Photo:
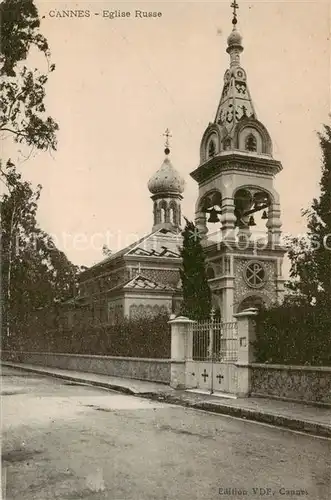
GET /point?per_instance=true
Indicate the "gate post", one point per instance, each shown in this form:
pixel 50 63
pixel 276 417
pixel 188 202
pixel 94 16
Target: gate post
pixel 246 335
pixel 181 350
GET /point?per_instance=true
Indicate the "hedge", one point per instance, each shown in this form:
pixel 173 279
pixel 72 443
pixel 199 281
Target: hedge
pixel 142 337
pixel 293 334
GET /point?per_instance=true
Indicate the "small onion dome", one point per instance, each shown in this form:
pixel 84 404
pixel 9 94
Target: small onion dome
pixel 234 38
pixel 166 179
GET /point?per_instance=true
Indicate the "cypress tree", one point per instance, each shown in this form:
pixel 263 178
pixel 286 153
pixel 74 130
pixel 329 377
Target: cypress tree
pixel 196 292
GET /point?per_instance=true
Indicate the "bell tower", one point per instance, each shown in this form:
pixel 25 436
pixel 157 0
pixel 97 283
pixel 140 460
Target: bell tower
pixel 236 185
pixel 166 186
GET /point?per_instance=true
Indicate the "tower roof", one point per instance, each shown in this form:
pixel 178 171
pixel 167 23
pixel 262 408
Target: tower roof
pixel 236 102
pixel 166 179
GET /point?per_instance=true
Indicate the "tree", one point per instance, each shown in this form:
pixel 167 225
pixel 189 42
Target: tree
pixel 196 292
pixel 35 274
pixel 311 256
pixel 22 90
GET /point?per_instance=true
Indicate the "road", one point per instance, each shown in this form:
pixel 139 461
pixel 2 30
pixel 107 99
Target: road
pixel 68 441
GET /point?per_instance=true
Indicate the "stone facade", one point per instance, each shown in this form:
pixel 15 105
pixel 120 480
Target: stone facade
pixel 137 306
pixel 311 384
pixel 243 290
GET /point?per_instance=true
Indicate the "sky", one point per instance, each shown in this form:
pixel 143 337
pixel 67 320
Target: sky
pixel 119 83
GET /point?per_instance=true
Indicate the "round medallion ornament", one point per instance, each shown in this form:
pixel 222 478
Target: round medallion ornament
pixel 255 274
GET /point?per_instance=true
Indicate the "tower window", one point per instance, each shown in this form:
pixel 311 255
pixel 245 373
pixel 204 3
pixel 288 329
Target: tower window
pixel 172 215
pixel 227 144
pixel 210 273
pixel 251 144
pixel 211 149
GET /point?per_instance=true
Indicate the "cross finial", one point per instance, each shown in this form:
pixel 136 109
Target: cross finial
pixel 167 135
pixel 235 7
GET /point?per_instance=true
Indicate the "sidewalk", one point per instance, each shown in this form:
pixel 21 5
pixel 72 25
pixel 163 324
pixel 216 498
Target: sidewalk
pixel 295 416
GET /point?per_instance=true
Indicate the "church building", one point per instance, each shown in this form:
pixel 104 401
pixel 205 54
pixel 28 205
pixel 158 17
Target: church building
pixel 235 179
pixel 143 278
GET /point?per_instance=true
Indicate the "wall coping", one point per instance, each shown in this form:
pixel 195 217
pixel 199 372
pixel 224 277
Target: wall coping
pixel 299 368
pixel 96 356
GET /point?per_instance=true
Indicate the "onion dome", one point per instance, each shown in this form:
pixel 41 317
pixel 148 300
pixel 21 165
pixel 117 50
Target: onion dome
pixel 234 38
pixel 166 179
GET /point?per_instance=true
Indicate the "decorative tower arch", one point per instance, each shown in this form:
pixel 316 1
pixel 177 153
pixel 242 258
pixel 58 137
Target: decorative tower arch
pixel 236 161
pixel 166 186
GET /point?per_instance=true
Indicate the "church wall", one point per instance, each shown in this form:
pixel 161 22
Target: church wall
pixel 115 309
pixel 138 305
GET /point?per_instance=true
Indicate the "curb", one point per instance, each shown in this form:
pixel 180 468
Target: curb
pixel 250 415
pixel 310 428
pixel 105 385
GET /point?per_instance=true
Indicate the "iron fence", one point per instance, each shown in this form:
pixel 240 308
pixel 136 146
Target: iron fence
pixel 215 340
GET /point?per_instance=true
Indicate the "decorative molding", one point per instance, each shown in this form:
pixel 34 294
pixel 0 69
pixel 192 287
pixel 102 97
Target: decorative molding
pixel 234 162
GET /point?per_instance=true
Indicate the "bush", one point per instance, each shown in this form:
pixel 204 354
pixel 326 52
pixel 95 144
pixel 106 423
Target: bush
pixel 293 334
pixel 143 337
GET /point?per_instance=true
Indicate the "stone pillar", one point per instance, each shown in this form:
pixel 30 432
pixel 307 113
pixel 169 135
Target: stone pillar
pixel 280 288
pixel 167 214
pixel 227 300
pixel 274 225
pixel 244 232
pixel 246 335
pixel 201 224
pixel 181 350
pixel 228 219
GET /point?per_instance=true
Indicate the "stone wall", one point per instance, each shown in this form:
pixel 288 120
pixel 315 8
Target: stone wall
pixel 153 370
pixel 311 384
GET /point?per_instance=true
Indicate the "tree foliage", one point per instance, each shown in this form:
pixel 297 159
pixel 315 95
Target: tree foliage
pixel 19 22
pixel 34 273
pixel 22 90
pixel 310 256
pixel 298 331
pixel 196 292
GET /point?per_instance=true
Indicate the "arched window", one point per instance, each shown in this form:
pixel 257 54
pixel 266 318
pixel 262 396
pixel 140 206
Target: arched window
pixel 211 149
pixel 250 143
pixel 173 213
pixel 227 144
pixel 210 273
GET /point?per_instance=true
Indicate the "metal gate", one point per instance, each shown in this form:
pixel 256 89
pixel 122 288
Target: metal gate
pixel 215 351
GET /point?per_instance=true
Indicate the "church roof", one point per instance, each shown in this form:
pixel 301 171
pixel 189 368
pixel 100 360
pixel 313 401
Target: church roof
pixel 141 282
pixel 162 243
pixel 236 102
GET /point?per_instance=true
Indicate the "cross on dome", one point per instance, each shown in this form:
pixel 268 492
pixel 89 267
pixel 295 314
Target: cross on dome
pixel 167 144
pixel 235 7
